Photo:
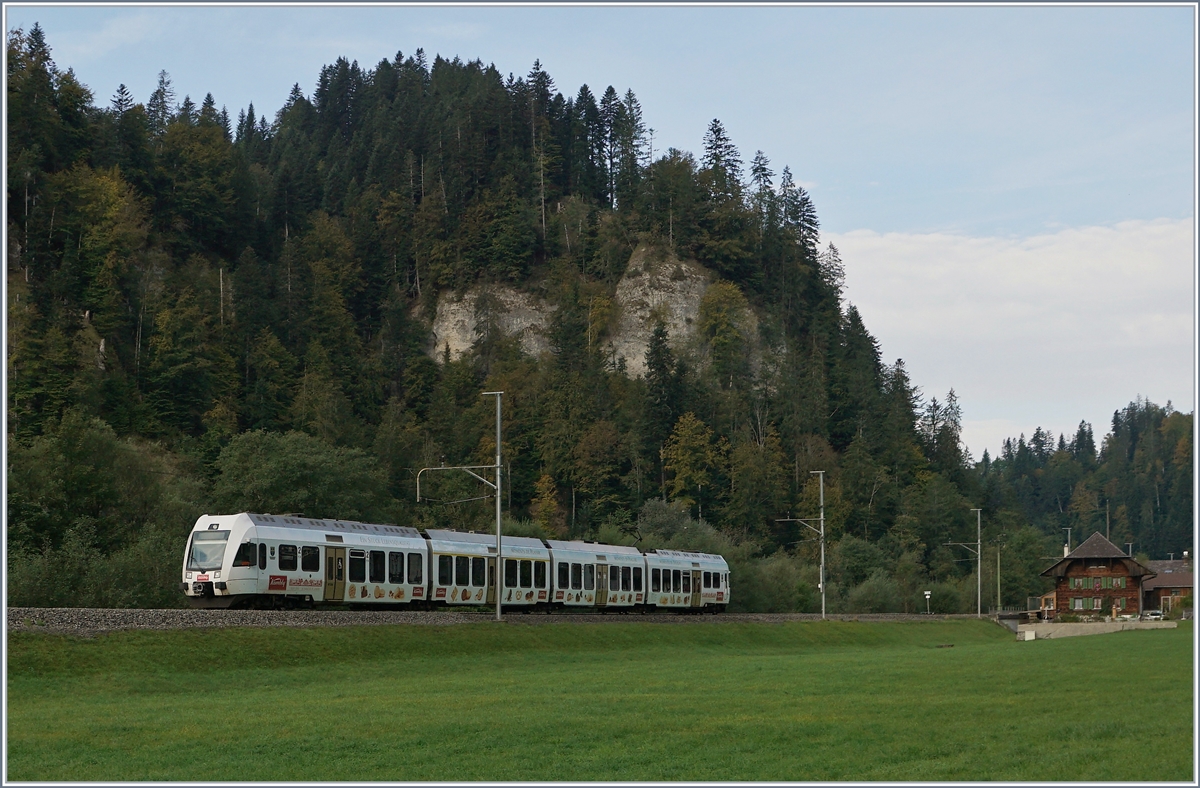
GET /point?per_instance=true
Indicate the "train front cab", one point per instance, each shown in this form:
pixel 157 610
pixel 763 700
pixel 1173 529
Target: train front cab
pixel 220 561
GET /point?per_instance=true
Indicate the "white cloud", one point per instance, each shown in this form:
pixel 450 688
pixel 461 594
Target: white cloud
pixel 1038 331
pixel 83 46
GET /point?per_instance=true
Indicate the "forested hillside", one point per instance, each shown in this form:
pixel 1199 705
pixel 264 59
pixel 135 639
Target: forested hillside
pixel 209 313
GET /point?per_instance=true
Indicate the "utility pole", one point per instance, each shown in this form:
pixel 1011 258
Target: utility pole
pixel 821 479
pixel 820 533
pixel 499 554
pixel 977 549
pixel 494 485
pixel 998 579
pixel 978 562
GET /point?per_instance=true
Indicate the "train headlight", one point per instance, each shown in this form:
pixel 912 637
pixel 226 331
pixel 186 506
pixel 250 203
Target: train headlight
pixel 187 576
pixel 216 574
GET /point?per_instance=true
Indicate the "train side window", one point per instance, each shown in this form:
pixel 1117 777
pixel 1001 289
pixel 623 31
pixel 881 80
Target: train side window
pixel 655 580
pixel 539 574
pixel 477 572
pixel 687 582
pixel 527 574
pixel 358 565
pixel 637 578
pixel 415 567
pixel 462 570
pixel 589 577
pixel 675 582
pixel 287 558
pixel 246 554
pixel 626 578
pixel 262 556
pixel 614 578
pixel 445 570
pixel 564 574
pixel 510 573
pixel 310 559
pixel 576 576
pixel 396 568
pixel 377 566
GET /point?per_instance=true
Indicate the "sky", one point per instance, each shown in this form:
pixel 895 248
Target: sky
pixel 1011 189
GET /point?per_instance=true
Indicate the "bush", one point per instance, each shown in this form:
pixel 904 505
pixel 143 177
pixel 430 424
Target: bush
pixel 879 593
pixel 96 520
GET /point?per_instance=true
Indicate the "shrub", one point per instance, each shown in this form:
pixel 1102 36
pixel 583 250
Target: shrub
pixel 877 594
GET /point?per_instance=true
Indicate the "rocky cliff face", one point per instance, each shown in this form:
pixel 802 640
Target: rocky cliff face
pixel 656 286
pixel 518 314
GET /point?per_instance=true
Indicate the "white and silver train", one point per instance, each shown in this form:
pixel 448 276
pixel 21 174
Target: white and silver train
pixel 267 560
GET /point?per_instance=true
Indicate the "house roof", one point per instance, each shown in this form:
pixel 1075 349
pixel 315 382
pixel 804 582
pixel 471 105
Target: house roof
pixel 1169 567
pixel 1170 580
pixel 1096 546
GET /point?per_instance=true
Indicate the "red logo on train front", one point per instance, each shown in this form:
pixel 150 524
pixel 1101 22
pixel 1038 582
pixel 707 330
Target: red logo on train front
pixel 418 591
pixel 277 583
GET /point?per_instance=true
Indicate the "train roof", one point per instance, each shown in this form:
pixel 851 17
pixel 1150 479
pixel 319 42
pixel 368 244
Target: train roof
pixel 520 545
pixel 336 526
pixel 685 557
pixel 597 551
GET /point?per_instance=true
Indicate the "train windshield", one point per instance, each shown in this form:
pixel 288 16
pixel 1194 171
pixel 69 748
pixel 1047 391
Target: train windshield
pixel 208 550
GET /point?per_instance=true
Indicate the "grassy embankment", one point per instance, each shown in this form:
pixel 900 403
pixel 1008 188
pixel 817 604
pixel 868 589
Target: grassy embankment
pixel 616 701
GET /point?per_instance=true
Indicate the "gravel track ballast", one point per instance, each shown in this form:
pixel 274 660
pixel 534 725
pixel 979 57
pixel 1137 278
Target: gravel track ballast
pixel 87 622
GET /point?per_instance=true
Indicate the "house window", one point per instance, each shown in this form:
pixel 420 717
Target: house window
pixel 1076 603
pixel 1097 604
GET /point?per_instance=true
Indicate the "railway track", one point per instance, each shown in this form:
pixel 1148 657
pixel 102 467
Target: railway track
pixel 88 622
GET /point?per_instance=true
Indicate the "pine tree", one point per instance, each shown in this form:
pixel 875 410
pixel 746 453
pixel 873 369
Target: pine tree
pixel 122 101
pixel 161 106
pixel 722 162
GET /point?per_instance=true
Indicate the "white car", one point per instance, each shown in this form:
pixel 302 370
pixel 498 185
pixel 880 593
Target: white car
pixel 1153 615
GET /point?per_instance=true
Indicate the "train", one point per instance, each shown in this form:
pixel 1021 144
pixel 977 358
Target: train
pixel 250 560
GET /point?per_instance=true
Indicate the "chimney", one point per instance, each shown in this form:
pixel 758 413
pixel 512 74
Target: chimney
pixel 1066 550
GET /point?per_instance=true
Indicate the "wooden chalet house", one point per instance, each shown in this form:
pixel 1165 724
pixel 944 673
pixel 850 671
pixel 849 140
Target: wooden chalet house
pixel 1173 583
pixel 1097 578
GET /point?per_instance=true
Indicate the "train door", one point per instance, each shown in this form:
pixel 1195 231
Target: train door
pixel 696 588
pixel 335 574
pixel 491 581
pixel 602 584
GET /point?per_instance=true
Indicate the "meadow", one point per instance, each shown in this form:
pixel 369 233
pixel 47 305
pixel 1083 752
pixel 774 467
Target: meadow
pixel 936 700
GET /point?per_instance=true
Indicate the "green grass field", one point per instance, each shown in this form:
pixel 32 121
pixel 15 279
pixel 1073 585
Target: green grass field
pixel 613 701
